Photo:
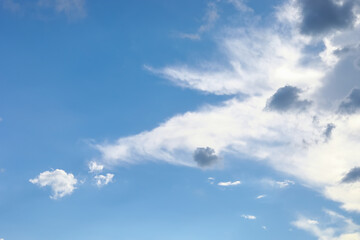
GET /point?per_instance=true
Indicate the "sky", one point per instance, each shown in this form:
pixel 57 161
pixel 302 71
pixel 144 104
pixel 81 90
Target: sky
pixel 164 119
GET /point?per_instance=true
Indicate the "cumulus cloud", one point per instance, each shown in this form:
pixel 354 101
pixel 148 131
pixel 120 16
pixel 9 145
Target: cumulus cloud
pixel 249 217
pixel 351 104
pixel 205 157
pixel 352 176
pixel 227 184
pixel 335 227
pixel 287 98
pixel 60 182
pixel 102 180
pixel 321 16
pixel 95 167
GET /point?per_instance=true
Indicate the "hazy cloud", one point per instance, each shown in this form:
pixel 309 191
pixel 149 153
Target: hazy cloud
pixel 352 176
pixel 205 157
pixel 287 98
pixel 328 131
pixel 351 103
pixel 320 16
pixel 61 183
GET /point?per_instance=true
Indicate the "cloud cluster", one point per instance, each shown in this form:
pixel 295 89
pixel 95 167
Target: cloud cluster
pixel 273 68
pixel 321 16
pixel 102 180
pixel 60 182
pixel 335 227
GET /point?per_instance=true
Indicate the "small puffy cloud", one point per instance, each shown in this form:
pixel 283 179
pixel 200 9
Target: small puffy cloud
pixel 226 184
pixel 261 196
pixel 95 167
pixel 205 157
pixel 61 183
pixel 249 217
pixel 102 180
pixel 352 176
pixel 287 98
pixel 351 104
pixel 321 16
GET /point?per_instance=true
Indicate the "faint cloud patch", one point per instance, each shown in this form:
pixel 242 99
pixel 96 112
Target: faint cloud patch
pixel 72 8
pixel 248 217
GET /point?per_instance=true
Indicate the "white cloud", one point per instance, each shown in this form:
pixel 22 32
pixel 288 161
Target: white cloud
pixel 336 227
pixel 226 184
pixel 61 183
pixel 249 217
pixel 95 167
pixel 102 180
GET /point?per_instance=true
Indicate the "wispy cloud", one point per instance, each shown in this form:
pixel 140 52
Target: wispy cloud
pixel 334 227
pixel 211 16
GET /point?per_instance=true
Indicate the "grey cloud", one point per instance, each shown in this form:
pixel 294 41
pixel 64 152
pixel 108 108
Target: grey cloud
pixel 287 98
pixel 205 157
pixel 352 176
pixel 321 16
pixel 328 131
pixel 351 103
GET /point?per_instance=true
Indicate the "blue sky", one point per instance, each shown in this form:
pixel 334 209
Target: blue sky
pixel 224 119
